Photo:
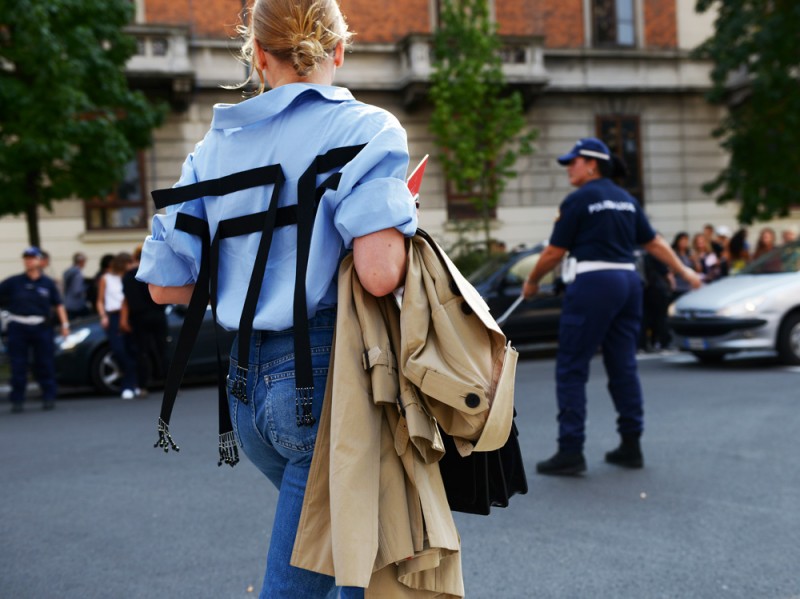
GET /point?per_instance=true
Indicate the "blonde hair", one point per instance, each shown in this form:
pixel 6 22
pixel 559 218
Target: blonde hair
pixel 300 32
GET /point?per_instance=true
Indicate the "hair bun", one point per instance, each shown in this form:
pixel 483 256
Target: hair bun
pixel 306 53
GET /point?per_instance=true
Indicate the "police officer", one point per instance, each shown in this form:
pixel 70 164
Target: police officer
pixel 30 297
pixel 600 225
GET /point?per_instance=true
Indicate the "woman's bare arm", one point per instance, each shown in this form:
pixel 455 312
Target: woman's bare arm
pixel 171 295
pixel 380 261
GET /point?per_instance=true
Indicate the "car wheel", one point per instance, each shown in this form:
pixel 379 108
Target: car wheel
pixel 106 374
pixel 789 339
pixel 709 357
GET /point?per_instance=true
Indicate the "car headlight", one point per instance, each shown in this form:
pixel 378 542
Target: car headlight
pixel 73 339
pixel 745 308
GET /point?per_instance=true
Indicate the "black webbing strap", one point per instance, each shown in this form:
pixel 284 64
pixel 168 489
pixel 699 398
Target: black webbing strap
pixel 263 175
pixel 206 287
pixel 189 331
pixel 206 291
pixel 233 228
pixel 306 211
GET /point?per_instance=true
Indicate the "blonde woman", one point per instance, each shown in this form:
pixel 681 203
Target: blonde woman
pixel 305 148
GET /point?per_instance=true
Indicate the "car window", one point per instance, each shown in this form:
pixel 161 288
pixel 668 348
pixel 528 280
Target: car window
pixel 516 274
pixel 785 258
pixel 487 269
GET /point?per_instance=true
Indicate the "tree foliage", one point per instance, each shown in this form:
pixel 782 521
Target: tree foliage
pixel 68 120
pixel 756 54
pixel 477 122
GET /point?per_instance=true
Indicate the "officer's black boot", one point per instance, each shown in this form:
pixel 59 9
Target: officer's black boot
pixel 563 464
pixel 628 454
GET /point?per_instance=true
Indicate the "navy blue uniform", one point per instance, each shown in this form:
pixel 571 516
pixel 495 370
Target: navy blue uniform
pixel 601 225
pixel 30 302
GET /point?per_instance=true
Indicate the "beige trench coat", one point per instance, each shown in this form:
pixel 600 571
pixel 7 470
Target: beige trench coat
pixel 375 512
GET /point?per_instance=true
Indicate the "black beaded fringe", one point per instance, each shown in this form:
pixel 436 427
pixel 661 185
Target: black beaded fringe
pixel 165 441
pixel 303 401
pixel 228 451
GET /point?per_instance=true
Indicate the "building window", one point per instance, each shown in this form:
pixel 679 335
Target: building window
pixel 621 134
pixel 123 209
pixel 614 23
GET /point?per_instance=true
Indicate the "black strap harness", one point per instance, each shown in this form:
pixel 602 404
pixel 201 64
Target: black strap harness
pixel 302 214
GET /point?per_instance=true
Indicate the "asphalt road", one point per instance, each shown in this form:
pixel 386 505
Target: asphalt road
pixel 88 509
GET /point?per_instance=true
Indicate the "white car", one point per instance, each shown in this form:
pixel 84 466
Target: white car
pixel 757 309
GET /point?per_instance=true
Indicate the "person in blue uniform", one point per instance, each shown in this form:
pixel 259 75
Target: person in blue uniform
pixel 350 159
pixel 600 225
pixel 30 298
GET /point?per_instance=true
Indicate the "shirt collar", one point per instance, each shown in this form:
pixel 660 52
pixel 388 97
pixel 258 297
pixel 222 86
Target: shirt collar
pixel 273 102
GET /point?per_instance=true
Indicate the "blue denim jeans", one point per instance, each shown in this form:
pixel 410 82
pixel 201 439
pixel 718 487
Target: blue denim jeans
pixel 120 344
pixel 266 429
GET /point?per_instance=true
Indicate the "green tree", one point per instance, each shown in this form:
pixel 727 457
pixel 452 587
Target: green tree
pixel 477 122
pixel 68 121
pixel 756 54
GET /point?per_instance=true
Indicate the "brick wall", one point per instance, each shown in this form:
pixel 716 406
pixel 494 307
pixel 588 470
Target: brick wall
pixel 660 24
pixel 515 17
pixel 380 22
pixel 561 22
pixel 206 18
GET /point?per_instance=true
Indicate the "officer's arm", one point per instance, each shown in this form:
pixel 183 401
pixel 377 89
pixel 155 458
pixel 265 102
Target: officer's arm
pixel 551 256
pixel 380 261
pixel 660 249
pixel 62 318
pixel 171 295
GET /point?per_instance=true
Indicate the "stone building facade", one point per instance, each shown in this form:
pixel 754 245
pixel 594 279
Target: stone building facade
pixel 615 68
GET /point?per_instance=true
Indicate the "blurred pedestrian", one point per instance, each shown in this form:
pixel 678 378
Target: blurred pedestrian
pixel 720 246
pixel 109 307
pixel 146 322
pixel 30 298
pixel 94 282
pixel 601 225
pixel 789 235
pixel 684 252
pixel 75 288
pixel 659 287
pixel 765 243
pixel 710 234
pixel 738 253
pixel 708 260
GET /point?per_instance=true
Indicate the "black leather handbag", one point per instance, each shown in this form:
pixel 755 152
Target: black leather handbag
pixel 484 479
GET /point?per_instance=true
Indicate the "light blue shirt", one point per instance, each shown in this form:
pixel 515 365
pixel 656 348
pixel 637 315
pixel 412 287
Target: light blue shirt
pixel 290 125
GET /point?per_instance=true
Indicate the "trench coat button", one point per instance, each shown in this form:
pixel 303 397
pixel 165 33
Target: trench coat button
pixel 466 308
pixel 472 400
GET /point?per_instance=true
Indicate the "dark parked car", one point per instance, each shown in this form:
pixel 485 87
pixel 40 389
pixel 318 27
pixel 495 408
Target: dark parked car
pixel 83 358
pixel 534 324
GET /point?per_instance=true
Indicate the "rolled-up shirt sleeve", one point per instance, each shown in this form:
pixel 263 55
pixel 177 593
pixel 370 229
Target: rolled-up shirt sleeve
pixel 372 194
pixel 170 257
